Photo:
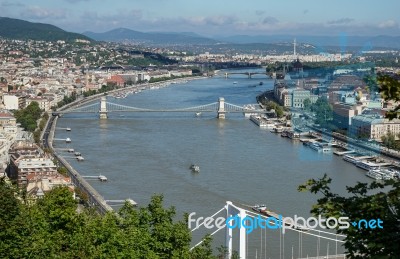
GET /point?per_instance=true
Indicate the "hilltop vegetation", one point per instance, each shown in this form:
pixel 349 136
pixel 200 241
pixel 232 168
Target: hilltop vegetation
pixel 52 227
pixel 23 30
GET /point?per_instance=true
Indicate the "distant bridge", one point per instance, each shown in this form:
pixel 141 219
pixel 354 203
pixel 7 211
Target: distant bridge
pixel 104 107
pixel 248 74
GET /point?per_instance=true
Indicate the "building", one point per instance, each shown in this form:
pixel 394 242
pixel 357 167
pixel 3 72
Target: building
pixel 373 126
pixel 44 103
pixel 27 159
pixel 343 114
pixel 117 80
pixel 299 95
pixel 14 102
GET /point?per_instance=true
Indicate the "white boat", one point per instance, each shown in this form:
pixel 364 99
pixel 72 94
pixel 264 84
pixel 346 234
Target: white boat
pixel 367 165
pixel 68 129
pixel 80 158
pixel 68 140
pixel 198 114
pixel 77 153
pixel 71 150
pixel 195 168
pixel 319 147
pixel 354 159
pixel 102 178
pixel 375 174
pixel 235 83
pixel 390 173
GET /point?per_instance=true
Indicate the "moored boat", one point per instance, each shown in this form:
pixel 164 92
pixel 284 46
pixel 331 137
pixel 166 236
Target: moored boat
pixel 195 168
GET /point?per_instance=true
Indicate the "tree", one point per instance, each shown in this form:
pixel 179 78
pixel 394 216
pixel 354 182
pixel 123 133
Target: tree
pixel 366 201
pixel 307 104
pixel 389 140
pixel 389 88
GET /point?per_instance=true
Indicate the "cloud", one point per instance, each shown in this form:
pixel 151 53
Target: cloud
pixel 260 12
pixel 39 13
pixel 388 24
pixel 341 21
pixel 12 4
pixel 270 20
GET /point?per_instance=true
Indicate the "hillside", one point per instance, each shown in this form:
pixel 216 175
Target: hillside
pixel 23 30
pixel 127 35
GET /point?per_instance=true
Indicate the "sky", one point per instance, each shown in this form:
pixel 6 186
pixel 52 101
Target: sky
pixel 214 17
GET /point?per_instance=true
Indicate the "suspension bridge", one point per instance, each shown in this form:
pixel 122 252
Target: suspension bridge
pixel 243 216
pixel 104 107
pixel 248 74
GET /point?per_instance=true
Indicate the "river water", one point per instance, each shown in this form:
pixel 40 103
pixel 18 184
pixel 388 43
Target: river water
pixel 146 153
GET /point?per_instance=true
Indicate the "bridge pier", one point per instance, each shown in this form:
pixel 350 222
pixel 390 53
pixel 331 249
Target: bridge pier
pixel 103 108
pixel 221 108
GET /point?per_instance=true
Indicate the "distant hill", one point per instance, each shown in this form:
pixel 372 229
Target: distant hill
pixel 23 30
pixel 157 38
pixel 365 42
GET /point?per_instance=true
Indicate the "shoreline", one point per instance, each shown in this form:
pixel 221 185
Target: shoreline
pixel 94 198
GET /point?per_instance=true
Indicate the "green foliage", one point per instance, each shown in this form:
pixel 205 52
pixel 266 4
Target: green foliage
pixel 67 100
pixel 389 88
pixel 323 112
pixel 52 228
pixel 23 30
pixel 270 105
pixel 365 201
pixel 307 104
pixel 389 141
pixel 62 170
pixel 28 116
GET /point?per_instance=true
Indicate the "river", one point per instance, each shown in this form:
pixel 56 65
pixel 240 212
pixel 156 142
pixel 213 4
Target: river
pixel 146 153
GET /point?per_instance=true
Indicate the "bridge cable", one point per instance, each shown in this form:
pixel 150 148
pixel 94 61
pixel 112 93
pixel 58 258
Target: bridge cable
pixel 197 227
pixel 199 243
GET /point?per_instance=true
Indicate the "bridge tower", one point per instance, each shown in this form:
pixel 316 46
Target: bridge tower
pixel 221 108
pixel 232 211
pixel 103 107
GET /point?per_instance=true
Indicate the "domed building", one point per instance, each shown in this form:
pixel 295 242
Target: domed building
pixel 297 66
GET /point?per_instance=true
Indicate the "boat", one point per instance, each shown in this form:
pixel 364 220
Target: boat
pixel 77 153
pixel 318 147
pixel 375 174
pixel 71 150
pixel 235 83
pixel 261 83
pixel 354 159
pixel 102 178
pixel 68 129
pixel 367 165
pixel 80 158
pixel 68 140
pixel 195 168
pixel 262 209
pixel 259 208
pixel 198 114
pixel 391 173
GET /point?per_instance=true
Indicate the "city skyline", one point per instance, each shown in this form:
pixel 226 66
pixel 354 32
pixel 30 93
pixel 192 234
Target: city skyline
pixel 210 18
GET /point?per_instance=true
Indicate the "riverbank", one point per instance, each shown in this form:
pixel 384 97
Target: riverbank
pixel 94 198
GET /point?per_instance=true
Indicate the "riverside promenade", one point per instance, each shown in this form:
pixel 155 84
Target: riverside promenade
pixel 94 198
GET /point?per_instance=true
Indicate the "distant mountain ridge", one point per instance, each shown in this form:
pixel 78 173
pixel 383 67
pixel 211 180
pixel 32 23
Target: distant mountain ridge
pixel 24 30
pixel 123 34
pixel 365 42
